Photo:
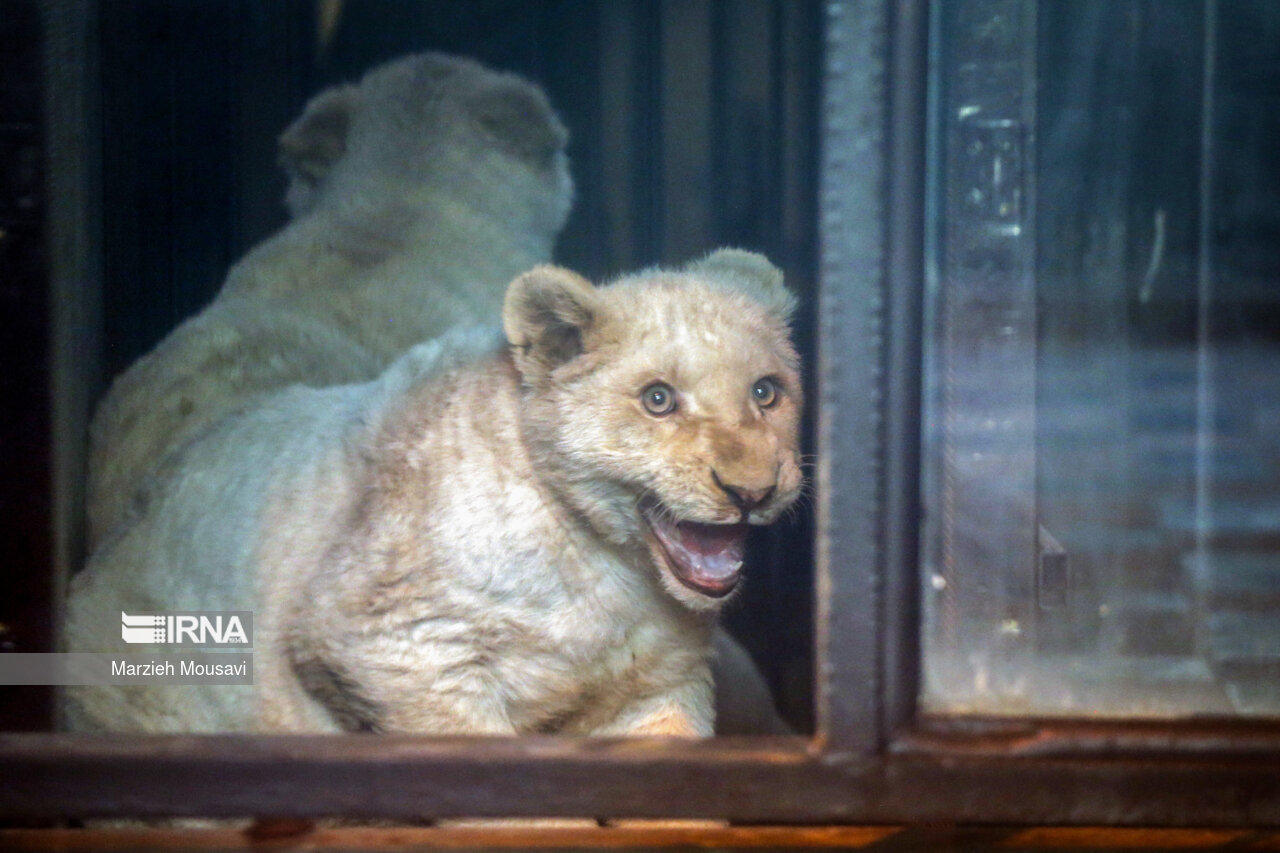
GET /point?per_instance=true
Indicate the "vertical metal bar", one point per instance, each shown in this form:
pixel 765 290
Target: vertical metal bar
pixel 850 368
pixel 75 237
pixel 74 194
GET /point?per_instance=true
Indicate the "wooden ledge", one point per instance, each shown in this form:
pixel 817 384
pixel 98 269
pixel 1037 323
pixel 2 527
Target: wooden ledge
pixel 300 836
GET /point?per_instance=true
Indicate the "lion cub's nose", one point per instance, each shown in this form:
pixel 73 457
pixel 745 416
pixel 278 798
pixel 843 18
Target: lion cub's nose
pixel 744 498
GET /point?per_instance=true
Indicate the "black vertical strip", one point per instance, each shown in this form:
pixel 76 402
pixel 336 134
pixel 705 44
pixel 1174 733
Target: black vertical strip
pixel 617 117
pixel 648 174
pixel 272 56
pixel 908 70
pixel 687 198
pixel 775 128
pixel 1246 184
pixel 797 75
pixel 26 588
pixel 200 115
pixel 570 68
pixel 721 124
pixel 159 195
pixel 121 51
pixel 746 166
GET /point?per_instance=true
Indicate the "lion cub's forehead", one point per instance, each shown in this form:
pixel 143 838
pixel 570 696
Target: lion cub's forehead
pixel 687 305
pixel 686 321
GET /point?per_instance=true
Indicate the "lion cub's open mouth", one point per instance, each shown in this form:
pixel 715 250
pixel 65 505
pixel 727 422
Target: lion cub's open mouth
pixel 707 558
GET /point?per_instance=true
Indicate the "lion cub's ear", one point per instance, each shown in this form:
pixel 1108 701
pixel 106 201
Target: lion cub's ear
pixel 749 273
pixel 546 313
pixel 312 144
pixel 518 117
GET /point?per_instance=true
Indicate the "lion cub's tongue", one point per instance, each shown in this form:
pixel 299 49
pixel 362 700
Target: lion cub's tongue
pixel 705 557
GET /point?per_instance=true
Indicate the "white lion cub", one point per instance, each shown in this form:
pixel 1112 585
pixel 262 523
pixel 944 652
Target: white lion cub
pixel 490 539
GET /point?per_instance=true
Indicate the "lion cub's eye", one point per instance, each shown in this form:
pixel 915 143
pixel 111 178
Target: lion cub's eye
pixel 766 393
pixel 659 399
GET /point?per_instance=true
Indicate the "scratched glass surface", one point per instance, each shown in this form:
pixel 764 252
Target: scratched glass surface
pixel 1102 393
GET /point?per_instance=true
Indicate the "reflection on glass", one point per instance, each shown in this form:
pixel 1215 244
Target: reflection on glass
pixel 1102 389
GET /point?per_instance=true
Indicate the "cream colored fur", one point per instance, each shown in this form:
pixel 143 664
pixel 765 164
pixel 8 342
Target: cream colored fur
pixel 458 546
pixel 417 194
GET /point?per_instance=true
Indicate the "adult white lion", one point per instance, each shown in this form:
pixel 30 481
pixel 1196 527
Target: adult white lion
pixel 417 195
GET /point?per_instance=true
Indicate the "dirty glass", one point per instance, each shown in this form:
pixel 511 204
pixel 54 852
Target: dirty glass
pixel 1101 514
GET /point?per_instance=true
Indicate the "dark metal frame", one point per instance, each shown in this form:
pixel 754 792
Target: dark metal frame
pixel 872 759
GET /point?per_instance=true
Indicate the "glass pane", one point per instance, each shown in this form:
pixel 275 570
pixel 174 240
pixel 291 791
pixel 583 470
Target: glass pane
pixel 1102 389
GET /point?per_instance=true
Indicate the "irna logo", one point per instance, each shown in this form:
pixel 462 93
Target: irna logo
pixel 189 628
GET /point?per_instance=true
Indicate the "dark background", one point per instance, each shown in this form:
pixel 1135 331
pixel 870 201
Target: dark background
pixel 26 532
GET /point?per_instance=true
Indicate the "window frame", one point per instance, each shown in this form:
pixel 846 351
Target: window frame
pixel 872 759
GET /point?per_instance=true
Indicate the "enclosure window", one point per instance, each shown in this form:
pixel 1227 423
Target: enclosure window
pixel 1101 387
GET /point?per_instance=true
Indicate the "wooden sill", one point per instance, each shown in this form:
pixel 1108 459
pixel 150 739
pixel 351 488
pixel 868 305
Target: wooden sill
pixel 300 835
